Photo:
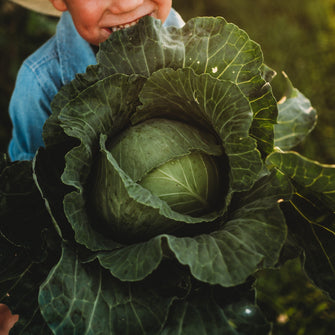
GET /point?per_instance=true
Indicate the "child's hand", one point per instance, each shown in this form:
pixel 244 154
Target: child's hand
pixel 7 319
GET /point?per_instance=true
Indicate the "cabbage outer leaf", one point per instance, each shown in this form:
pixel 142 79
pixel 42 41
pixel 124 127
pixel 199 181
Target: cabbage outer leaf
pixel 312 176
pixel 310 214
pixel 83 299
pixel 91 301
pixel 296 118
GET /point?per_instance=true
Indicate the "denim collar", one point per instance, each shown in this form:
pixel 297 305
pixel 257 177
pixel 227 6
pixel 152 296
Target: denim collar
pixel 75 54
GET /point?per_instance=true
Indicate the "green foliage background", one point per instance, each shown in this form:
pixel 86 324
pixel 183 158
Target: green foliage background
pixel 295 36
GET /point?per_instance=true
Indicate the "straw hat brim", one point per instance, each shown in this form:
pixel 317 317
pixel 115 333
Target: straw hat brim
pixel 40 6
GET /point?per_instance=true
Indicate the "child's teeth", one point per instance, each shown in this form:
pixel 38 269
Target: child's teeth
pixel 123 26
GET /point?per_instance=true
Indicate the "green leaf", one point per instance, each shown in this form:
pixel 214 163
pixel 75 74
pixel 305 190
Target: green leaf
pixel 198 317
pixel 224 51
pixel 296 118
pixel 313 177
pixel 313 228
pixel 252 234
pixel 84 299
pixel 134 262
pixel 310 214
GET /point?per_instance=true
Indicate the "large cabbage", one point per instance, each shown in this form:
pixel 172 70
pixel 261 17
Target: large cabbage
pixel 163 186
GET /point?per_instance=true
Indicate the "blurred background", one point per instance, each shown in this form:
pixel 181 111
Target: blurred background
pixel 296 36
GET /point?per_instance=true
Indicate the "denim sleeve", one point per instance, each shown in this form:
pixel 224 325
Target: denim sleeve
pixel 28 109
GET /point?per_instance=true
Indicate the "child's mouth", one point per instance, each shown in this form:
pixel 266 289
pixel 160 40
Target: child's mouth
pixel 123 26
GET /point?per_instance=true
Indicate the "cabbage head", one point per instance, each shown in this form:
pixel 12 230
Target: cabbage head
pixel 162 182
pixel 161 172
pixel 178 166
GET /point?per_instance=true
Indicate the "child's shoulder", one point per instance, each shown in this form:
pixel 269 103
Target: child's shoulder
pixel 62 56
pixel 41 70
pixel 43 55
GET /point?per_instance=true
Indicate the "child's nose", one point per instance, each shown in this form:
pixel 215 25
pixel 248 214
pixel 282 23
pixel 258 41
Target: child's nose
pixel 124 6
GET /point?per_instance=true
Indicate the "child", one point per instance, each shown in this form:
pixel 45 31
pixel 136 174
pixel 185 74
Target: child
pixel 83 25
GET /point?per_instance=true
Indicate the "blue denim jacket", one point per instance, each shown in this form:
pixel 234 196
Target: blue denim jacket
pixel 41 76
